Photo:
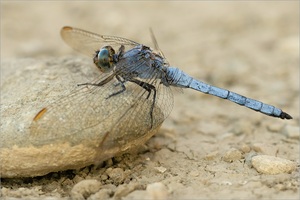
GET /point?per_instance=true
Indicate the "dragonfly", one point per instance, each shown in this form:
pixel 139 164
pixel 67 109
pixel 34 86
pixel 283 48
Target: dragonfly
pixel 133 91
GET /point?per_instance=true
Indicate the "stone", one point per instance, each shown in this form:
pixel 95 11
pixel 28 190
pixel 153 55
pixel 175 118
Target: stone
pixel 116 175
pixel 157 191
pixel 272 165
pixel 39 137
pixel 232 155
pixel 84 189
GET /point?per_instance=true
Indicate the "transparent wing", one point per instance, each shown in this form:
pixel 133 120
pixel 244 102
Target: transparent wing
pixel 87 42
pixel 156 47
pixel 112 123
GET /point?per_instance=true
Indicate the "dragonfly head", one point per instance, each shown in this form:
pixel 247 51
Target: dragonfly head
pixel 104 59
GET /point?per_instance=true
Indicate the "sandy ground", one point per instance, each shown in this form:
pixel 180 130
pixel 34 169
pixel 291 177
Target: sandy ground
pixel 202 150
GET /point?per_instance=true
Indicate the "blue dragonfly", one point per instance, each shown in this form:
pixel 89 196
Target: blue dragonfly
pixel 132 93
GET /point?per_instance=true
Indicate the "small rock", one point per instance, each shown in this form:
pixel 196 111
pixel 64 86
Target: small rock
pixel 102 194
pixel 124 190
pixel 245 148
pixel 116 175
pixel 104 177
pixel 138 194
pixel 161 169
pixel 291 132
pixel 157 191
pixel 84 189
pixel 211 155
pixel 77 179
pixel 109 162
pixel 272 165
pixel 248 158
pixel 232 155
pixel 194 173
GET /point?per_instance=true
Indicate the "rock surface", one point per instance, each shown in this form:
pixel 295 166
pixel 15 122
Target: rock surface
pixel 33 149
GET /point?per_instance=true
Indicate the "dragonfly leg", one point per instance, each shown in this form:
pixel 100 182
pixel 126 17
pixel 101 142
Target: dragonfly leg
pixel 121 82
pixel 121 51
pixel 149 88
pixel 109 78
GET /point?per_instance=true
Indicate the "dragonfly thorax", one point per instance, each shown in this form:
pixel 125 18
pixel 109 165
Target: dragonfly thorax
pixel 104 59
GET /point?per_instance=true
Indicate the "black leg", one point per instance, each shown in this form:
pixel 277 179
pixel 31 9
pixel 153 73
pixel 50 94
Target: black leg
pixel 142 84
pixel 121 82
pixel 147 87
pixel 101 82
pixel 106 81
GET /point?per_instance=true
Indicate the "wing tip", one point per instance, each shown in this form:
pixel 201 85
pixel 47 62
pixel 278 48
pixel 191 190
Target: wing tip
pixel 66 28
pixel 39 114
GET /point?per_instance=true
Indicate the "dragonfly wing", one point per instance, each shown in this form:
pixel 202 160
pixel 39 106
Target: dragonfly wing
pixel 156 47
pixel 88 43
pixel 90 112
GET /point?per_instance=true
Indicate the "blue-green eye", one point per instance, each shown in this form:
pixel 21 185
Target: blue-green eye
pixel 104 58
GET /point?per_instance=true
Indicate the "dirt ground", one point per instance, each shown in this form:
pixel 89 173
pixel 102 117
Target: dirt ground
pixel 251 48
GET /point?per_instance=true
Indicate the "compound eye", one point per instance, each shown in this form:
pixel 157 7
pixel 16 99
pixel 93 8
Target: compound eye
pixel 104 59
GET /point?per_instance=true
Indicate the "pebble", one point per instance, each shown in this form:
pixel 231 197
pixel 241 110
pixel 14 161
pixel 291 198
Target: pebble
pixel 194 173
pixel 102 194
pixel 245 148
pixel 248 158
pixel 116 175
pixel 157 191
pixel 123 190
pixel 84 189
pixel 232 155
pixel 104 177
pixel 211 155
pixel 161 169
pixel 272 165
